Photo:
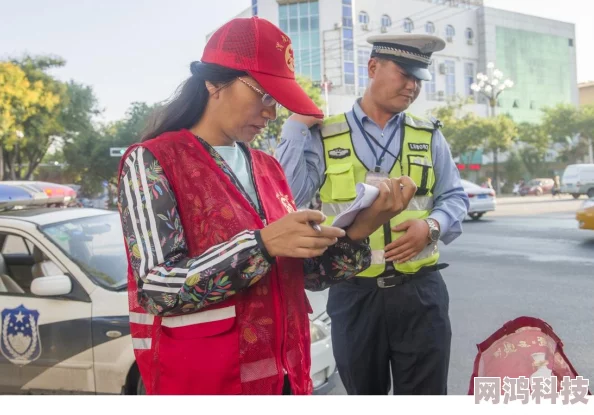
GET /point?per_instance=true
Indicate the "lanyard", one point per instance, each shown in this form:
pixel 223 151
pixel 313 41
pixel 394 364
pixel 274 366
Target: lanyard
pixel 366 135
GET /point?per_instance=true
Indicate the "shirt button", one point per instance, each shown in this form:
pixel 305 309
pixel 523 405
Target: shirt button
pixel 382 134
pixel 304 132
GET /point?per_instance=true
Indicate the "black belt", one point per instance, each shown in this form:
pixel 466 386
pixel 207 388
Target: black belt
pixel 394 278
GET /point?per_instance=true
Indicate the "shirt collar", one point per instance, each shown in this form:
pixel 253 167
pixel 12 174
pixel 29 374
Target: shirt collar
pixel 361 116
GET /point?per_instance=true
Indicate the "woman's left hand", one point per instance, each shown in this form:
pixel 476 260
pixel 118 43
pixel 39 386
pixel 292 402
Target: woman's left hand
pixel 394 197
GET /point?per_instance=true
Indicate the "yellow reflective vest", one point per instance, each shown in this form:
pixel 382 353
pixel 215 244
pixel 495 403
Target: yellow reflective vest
pixel 344 170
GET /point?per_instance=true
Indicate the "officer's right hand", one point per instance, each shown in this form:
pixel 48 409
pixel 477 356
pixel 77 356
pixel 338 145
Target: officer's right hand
pixel 307 120
pixel 292 236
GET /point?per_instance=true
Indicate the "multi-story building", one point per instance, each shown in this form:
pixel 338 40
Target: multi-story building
pixel 586 93
pixel 329 40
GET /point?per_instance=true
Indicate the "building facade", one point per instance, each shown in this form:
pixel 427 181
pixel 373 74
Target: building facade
pixel 329 40
pixel 586 93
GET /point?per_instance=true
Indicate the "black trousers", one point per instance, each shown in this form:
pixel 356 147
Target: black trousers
pixel 405 329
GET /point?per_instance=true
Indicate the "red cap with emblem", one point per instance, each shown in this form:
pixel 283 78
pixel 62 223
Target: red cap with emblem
pixel 258 47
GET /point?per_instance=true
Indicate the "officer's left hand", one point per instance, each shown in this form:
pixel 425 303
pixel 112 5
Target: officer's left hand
pixel 410 244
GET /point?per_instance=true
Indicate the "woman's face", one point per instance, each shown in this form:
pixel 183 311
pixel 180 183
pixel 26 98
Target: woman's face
pixel 241 111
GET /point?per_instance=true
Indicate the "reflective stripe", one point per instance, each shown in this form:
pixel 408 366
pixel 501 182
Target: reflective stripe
pixel 142 344
pixel 334 209
pixel 421 203
pixel 200 317
pixel 378 257
pixel 426 252
pixel 139 318
pixel 333 129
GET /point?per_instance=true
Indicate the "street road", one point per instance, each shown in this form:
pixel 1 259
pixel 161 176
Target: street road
pixel 526 258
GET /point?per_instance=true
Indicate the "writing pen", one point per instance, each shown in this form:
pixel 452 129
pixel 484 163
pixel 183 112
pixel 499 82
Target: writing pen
pixel 315 226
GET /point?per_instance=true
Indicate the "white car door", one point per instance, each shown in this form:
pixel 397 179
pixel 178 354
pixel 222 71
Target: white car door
pixel 45 342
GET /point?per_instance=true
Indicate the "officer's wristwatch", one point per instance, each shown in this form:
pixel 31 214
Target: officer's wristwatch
pixel 434 231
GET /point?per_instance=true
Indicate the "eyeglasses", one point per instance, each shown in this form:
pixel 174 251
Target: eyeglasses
pixel 267 99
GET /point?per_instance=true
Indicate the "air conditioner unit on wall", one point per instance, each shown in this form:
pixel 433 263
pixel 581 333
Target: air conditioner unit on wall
pixel 384 29
pixel 440 95
pixel 442 68
pixel 450 39
pixel 470 41
pixel 365 27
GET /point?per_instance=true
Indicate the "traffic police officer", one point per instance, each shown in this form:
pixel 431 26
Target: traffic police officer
pixel 393 316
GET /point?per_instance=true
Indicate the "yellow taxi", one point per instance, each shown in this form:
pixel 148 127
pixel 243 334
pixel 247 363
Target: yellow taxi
pixel 585 215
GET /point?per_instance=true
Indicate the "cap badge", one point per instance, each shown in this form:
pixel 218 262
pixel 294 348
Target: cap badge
pixel 289 58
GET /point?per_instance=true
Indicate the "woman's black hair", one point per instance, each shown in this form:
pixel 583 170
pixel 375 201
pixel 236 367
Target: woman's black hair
pixel 187 106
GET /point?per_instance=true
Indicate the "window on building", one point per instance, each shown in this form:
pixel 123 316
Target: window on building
pixel 386 21
pixel 348 46
pixel 254 7
pixel 430 28
pixel 363 55
pixel 450 79
pixel 469 34
pixel 349 73
pixel 469 78
pixel 408 25
pixel 450 33
pixel 301 21
pixel 430 85
pixel 571 42
pixel 363 18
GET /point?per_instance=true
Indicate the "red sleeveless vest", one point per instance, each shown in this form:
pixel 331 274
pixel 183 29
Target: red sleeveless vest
pixel 246 343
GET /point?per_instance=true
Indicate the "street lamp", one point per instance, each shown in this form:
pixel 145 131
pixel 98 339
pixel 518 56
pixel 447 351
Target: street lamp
pixel 491 85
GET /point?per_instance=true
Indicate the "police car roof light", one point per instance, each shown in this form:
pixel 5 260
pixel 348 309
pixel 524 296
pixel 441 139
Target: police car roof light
pixel 28 194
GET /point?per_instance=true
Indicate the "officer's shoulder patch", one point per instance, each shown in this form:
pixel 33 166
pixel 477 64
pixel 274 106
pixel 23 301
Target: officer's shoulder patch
pixel 334 126
pixel 419 123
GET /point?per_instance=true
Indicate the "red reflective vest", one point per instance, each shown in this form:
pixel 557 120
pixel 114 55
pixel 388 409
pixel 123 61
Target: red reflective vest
pixel 245 344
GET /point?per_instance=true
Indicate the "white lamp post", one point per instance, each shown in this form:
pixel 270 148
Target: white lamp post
pixel 491 85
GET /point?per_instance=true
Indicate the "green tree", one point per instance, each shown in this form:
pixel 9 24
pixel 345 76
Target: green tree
pixel 30 102
pixel 534 144
pixel 88 156
pixel 459 128
pixel 271 135
pixel 566 122
pixel 561 122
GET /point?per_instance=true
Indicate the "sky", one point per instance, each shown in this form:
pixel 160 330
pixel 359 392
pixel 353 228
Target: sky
pixel 140 50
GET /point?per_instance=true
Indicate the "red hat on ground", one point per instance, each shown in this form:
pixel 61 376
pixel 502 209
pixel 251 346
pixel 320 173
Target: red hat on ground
pixel 258 47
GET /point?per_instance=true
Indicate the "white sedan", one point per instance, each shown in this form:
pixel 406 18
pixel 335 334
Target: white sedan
pixel 482 199
pixel 64 324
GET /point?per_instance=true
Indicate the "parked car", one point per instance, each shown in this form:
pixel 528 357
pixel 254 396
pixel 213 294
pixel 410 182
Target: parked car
pixel 537 187
pixel 578 179
pixel 482 199
pixel 64 321
pixel 585 215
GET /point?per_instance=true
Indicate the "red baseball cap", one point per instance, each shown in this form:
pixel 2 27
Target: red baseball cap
pixel 261 49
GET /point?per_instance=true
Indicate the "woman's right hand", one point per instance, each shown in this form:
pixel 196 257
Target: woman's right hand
pixel 292 236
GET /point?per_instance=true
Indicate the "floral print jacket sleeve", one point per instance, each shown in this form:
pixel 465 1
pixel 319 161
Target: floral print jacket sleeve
pixel 169 281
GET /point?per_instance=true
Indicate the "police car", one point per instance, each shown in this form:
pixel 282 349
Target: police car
pixel 64 305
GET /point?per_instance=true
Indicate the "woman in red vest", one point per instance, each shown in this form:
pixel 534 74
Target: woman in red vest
pixel 219 258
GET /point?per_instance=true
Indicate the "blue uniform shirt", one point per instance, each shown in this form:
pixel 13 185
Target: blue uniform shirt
pixel 301 155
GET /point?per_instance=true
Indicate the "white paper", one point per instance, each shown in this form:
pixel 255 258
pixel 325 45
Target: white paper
pixel 366 195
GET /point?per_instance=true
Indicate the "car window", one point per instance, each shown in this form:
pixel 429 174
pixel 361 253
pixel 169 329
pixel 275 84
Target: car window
pixel 15 244
pixel 96 245
pixel 19 265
